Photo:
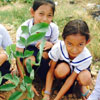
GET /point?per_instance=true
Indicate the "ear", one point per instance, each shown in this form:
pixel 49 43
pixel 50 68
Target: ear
pixel 32 12
pixel 88 41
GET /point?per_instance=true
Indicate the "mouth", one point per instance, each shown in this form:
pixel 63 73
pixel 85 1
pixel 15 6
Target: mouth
pixel 74 54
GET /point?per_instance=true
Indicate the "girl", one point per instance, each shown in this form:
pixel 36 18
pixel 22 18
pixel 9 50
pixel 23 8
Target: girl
pixel 41 11
pixel 96 92
pixel 70 58
pixel 5 41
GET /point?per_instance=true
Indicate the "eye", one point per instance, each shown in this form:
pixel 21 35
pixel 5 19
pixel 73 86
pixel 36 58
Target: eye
pixel 50 15
pixel 41 13
pixel 69 44
pixel 81 44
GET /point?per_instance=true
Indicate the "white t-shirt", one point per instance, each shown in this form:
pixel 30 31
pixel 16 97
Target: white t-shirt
pixel 51 35
pixel 5 39
pixel 81 62
pixel 96 92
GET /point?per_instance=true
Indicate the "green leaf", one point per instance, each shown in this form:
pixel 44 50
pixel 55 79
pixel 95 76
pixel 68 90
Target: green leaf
pixel 30 94
pixel 27 80
pixel 22 87
pixel 15 80
pixel 30 91
pixel 25 29
pixel 28 53
pixel 32 75
pixel 16 95
pixel 7 87
pixel 35 37
pixel 19 54
pixel 8 77
pixel 11 51
pixel 1 80
pixel 13 47
pixel 22 41
pixel 41 27
pixel 28 66
pixel 41 50
pixel 8 50
pixel 25 99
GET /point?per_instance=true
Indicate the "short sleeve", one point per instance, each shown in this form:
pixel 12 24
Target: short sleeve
pixel 54 53
pixel 83 66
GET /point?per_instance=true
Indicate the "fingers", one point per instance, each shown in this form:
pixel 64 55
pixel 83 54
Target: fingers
pixel 38 45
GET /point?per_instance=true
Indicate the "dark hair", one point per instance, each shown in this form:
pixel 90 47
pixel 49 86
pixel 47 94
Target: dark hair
pixel 38 3
pixel 76 26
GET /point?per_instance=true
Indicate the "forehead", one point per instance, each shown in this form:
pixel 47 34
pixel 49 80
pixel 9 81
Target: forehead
pixel 46 8
pixel 75 38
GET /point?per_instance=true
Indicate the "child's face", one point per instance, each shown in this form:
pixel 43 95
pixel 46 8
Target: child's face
pixel 43 14
pixel 75 44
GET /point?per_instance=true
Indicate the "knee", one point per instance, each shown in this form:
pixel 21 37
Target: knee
pixel 84 78
pixel 45 55
pixel 62 70
pixel 32 58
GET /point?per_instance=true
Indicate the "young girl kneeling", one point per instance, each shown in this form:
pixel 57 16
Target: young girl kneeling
pixel 71 58
pixel 41 11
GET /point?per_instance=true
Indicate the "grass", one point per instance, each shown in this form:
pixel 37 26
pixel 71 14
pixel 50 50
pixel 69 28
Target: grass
pixel 16 15
pixel 64 13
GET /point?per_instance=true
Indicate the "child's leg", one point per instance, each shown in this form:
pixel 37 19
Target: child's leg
pixel 5 68
pixel 32 58
pixel 84 80
pixel 62 70
pixel 45 55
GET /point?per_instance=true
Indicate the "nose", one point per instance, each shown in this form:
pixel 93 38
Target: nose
pixel 74 50
pixel 45 19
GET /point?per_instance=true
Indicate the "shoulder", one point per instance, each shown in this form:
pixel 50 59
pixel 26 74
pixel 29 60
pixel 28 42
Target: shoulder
pixel 85 53
pixel 27 22
pixel 53 25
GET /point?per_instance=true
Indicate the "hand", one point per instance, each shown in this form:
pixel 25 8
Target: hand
pixel 38 44
pixel 46 97
pixel 47 45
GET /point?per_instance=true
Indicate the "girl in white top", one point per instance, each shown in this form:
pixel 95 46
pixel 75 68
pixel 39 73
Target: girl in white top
pixel 5 41
pixel 96 92
pixel 74 58
pixel 41 11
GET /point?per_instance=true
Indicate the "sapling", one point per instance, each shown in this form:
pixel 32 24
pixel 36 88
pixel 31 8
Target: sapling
pixel 24 82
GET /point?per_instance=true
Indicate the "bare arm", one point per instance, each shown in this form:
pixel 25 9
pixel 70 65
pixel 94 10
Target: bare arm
pixel 3 58
pixel 49 78
pixel 68 83
pixel 19 64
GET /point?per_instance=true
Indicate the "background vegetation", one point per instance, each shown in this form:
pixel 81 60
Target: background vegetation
pixel 15 12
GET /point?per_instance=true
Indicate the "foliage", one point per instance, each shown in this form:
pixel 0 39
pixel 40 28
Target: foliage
pixel 28 1
pixel 26 82
pixel 10 1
